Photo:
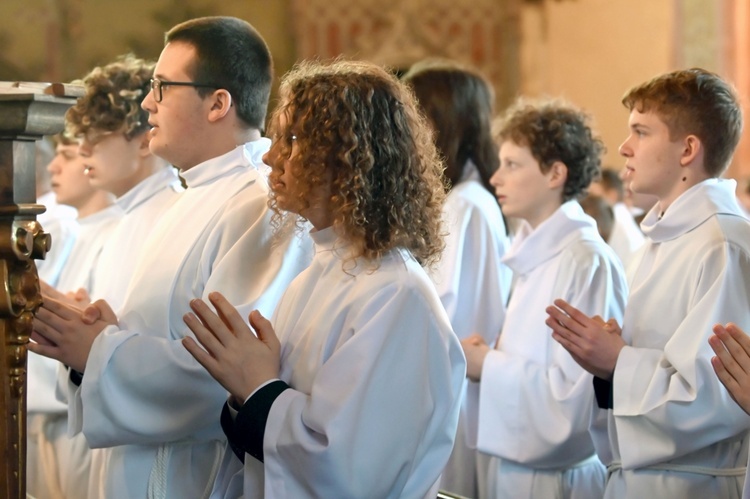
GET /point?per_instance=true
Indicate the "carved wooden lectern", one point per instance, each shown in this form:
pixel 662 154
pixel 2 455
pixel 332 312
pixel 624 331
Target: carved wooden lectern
pixel 27 112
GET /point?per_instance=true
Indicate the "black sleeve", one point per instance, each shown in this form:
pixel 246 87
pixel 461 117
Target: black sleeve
pixel 75 377
pixel 603 392
pixel 245 433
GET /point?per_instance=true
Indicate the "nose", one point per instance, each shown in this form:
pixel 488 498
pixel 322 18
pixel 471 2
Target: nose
pixel 149 103
pixel 625 149
pixel 54 166
pixel 496 178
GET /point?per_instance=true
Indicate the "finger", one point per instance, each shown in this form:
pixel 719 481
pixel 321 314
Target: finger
pixel 264 329
pixel 204 358
pixel 571 338
pixel 47 290
pixel 46 350
pixel 228 313
pixel 739 336
pixel 104 311
pixel 726 379
pixel 735 358
pixel 60 309
pixel 39 338
pixel 575 314
pixel 204 335
pixel 48 325
pixel 598 319
pixel 211 321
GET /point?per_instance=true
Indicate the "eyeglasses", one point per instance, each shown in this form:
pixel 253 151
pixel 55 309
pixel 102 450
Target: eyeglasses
pixel 157 85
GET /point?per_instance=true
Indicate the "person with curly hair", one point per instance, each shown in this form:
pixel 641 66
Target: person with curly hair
pixel 113 132
pixel 534 400
pixel 353 388
pixel 663 424
pixel 135 390
pixel 472 282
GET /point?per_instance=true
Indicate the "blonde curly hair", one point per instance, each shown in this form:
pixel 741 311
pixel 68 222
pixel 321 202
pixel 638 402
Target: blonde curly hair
pixel 112 102
pixel 358 130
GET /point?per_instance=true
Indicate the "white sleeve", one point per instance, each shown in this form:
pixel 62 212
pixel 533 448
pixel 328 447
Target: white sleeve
pixel 542 410
pixel 382 411
pixel 142 386
pixel 673 396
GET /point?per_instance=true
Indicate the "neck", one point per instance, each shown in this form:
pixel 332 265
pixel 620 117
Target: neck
pixel 98 201
pixel 684 183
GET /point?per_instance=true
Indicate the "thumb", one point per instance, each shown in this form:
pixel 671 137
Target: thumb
pixel 99 310
pixel 264 330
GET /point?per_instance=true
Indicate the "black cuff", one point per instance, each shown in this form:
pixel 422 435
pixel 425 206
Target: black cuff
pixel 227 424
pixel 245 433
pixel 75 377
pixel 603 392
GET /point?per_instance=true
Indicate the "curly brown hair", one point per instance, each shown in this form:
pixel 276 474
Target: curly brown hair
pixel 358 130
pixel 555 131
pixel 113 99
pixel 694 101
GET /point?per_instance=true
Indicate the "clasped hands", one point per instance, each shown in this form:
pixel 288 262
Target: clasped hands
pixel 65 331
pixel 593 343
pixel 238 359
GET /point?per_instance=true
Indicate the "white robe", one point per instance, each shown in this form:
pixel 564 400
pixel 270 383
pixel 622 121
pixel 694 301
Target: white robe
pixel 60 222
pixel 57 464
pixel 626 238
pixel 375 374
pixel 473 285
pixel 142 393
pixel 670 410
pixel 535 400
pixel 143 206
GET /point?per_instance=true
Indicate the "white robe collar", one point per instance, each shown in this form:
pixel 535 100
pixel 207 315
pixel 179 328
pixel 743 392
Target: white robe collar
pixel 100 216
pixel 692 208
pixel 532 247
pixel 247 155
pixel 148 187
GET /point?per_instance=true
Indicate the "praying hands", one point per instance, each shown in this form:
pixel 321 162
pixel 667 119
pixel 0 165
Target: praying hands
pixel 593 343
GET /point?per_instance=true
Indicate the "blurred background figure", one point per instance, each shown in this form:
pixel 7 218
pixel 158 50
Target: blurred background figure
pixel 599 209
pixel 58 220
pixel 57 465
pixel 626 237
pixel 472 283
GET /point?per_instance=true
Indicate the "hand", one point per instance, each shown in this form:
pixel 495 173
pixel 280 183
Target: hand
pixel 80 297
pixel 61 333
pixel 48 292
pixel 233 355
pixel 475 350
pixel 732 362
pixel 593 343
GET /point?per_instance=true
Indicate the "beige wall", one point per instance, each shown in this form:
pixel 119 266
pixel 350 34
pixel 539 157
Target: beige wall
pixel 587 51
pixel 591 51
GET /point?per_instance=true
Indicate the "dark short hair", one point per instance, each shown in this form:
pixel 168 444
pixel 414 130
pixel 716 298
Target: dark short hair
pixel 458 101
pixel 112 102
pixel 694 102
pixel 610 179
pixel 555 131
pixel 230 54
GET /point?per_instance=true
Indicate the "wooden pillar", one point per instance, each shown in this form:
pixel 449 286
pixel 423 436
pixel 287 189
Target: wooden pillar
pixel 27 112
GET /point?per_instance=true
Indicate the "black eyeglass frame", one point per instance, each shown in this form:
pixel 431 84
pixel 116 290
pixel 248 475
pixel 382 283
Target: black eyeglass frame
pixel 157 85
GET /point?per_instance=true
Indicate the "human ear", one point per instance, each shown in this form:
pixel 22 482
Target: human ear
pixel 221 101
pixel 692 146
pixel 558 174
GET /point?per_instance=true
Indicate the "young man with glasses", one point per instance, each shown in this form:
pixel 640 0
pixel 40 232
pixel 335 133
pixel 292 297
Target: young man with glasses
pixel 141 393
